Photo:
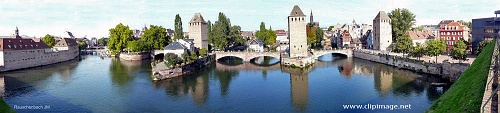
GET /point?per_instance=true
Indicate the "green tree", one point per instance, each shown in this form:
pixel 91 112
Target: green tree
pixel 435 47
pixel 459 51
pixel 82 45
pixel 155 38
pixel 179 34
pixel 311 35
pixel 268 36
pixel 418 51
pixel 403 45
pixel 319 36
pixel 192 56
pixel 481 46
pixel 401 21
pixel 209 32
pixel 235 37
pixel 49 40
pixel 137 46
pixel 203 52
pixel 220 32
pixel 465 23
pixel 119 38
pixel 330 28
pixel 172 59
pixel 102 41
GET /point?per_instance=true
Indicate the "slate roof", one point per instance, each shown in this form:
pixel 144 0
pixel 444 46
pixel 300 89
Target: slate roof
pixel 416 35
pixel 174 46
pixel 21 44
pixel 66 42
pixel 197 18
pixel 382 16
pixel 296 11
pixel 444 22
pixel 256 41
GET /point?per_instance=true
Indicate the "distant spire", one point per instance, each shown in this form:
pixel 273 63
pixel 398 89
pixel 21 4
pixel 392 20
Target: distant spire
pixel 17 31
pixel 311 17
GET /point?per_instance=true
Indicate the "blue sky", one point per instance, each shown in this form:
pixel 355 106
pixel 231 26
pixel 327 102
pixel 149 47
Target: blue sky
pixel 95 17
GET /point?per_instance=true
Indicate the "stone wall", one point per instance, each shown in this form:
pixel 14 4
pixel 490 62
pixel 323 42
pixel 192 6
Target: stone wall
pixel 446 69
pixel 19 59
pixel 141 56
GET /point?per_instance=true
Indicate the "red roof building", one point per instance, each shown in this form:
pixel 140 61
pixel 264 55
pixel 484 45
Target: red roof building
pixel 452 32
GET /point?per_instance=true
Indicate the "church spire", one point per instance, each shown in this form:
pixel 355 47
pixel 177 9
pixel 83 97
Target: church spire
pixel 311 17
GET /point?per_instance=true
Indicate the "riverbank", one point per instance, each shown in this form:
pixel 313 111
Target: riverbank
pixel 4 107
pixel 466 94
pixel 446 69
pixel 161 71
pixel 134 56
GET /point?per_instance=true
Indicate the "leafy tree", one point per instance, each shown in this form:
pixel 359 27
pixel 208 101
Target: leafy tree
pixel 137 46
pixel 172 59
pixel 459 51
pixel 185 57
pixel 319 36
pixel 209 31
pixel 203 52
pixel 465 23
pixel 49 40
pixel 102 42
pixel 311 35
pixel 155 38
pixel 402 20
pixel 192 56
pixel 330 28
pixel 435 47
pixel 220 32
pixel 418 50
pixel 268 36
pixel 82 45
pixel 235 37
pixel 119 38
pixel 481 46
pixel 403 45
pixel 179 34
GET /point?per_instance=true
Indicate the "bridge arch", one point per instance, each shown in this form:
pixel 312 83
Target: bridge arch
pixel 346 52
pixel 247 56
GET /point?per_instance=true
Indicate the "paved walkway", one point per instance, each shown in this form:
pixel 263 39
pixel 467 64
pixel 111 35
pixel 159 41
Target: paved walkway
pixel 440 58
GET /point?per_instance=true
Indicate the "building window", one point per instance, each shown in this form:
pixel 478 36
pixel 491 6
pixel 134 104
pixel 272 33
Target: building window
pixel 448 33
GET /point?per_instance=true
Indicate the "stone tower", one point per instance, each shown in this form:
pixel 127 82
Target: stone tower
pixel 382 32
pixel 297 33
pixel 198 31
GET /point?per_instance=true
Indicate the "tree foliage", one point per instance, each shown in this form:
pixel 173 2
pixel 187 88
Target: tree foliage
pixel 209 32
pixel 220 32
pixel 178 33
pixel 137 46
pixel 268 36
pixel 49 40
pixel 435 47
pixel 102 42
pixel 172 59
pixel 203 52
pixel 465 23
pixel 235 38
pixel 119 38
pixel 418 51
pixel 459 51
pixel 404 44
pixel 155 38
pixel 402 20
pixel 330 28
pixel 481 46
pixel 311 35
pixel 82 45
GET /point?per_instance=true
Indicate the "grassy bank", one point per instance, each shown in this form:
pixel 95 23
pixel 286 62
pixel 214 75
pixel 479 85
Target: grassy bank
pixel 4 107
pixel 466 94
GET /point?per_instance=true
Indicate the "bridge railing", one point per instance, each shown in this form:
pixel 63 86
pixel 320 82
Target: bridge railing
pixel 492 83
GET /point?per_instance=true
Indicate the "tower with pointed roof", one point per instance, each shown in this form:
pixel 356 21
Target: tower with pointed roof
pixel 297 33
pixel 198 31
pixel 382 32
pixel 17 33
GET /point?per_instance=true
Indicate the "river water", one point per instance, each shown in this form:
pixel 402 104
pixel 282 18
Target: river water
pixel 94 84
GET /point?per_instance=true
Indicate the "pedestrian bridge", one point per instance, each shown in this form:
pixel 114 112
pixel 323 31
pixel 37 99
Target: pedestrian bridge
pixel 247 56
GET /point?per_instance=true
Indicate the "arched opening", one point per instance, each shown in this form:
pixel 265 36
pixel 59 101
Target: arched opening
pixel 230 60
pixel 264 61
pixel 159 57
pixel 331 57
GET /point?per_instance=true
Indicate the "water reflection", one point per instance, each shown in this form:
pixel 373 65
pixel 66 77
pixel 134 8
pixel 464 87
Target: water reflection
pixel 2 86
pixel 299 83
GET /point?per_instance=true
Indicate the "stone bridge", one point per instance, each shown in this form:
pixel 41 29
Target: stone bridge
pixel 246 66
pixel 247 56
pixel 346 52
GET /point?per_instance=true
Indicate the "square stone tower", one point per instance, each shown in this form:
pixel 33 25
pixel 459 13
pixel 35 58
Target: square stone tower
pixel 198 31
pixel 297 33
pixel 382 32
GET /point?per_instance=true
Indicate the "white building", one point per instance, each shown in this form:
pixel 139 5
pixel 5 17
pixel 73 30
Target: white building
pixel 382 32
pixel 176 48
pixel 188 43
pixel 255 45
pixel 297 33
